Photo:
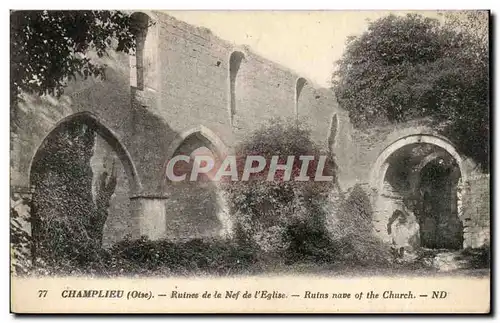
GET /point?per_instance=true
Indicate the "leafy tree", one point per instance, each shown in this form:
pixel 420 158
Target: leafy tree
pixel 408 67
pixel 474 22
pixel 49 47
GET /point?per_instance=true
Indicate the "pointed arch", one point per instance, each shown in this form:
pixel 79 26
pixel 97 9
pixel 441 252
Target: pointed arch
pixel 203 133
pixel 200 197
pixel 108 135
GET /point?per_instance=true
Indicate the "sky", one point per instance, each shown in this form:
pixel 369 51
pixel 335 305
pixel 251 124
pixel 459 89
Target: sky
pixel 308 42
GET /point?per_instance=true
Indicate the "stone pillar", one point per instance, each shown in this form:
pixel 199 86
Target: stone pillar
pixel 224 215
pixel 20 229
pixel 149 216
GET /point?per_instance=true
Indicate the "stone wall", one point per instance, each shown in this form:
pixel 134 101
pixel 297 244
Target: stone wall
pixel 187 90
pixel 365 150
pixel 476 212
pixel 106 102
pixel 188 85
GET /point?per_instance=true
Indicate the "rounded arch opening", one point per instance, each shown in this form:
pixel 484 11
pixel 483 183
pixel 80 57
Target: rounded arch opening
pixel 420 176
pixel 380 167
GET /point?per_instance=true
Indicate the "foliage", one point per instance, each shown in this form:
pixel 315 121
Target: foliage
pixel 209 256
pixel 477 258
pixel 353 236
pixel 67 224
pixel 143 257
pixel 309 240
pixel 358 205
pixel 277 214
pixel 470 21
pixel 20 240
pixel 408 67
pixel 51 46
pixel 162 257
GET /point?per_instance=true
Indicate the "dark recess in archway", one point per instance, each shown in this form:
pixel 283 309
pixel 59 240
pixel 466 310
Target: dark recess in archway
pixel 70 203
pixel 425 177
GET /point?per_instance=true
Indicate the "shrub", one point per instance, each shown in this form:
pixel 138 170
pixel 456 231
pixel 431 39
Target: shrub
pixel 279 216
pixel 63 206
pixel 211 256
pixel 145 257
pixel 477 257
pixel 353 236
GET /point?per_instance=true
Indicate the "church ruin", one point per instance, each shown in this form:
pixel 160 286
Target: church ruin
pixel 186 89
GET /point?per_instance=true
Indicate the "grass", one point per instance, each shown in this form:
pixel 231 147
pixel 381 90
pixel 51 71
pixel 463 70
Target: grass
pixel 221 258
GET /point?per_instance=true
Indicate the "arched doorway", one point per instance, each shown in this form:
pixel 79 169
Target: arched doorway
pixel 82 178
pixel 421 176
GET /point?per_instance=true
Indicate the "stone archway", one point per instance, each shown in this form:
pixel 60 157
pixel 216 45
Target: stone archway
pixel 203 132
pixel 420 175
pixel 82 178
pixel 380 167
pixel 196 209
pixel 109 137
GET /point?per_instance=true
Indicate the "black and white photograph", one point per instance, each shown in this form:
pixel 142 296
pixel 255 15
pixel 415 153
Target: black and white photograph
pixel 228 146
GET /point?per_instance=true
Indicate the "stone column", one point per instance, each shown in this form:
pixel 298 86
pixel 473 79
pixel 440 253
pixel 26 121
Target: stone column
pixel 149 216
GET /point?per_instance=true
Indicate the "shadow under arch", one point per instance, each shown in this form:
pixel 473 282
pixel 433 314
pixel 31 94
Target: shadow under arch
pixel 235 59
pixel 419 176
pixel 108 135
pixel 200 207
pixel 381 165
pixel 205 133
